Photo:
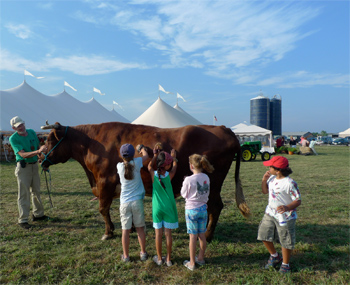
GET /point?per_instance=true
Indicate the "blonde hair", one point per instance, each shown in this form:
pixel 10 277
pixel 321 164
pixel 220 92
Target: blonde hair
pixel 201 162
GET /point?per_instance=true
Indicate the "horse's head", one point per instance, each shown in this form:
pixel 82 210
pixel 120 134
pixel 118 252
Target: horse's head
pixel 58 146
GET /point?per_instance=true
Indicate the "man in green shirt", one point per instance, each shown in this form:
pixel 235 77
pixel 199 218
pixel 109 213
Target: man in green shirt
pixel 25 145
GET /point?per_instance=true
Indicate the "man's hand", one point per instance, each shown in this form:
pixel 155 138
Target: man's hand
pixel 43 148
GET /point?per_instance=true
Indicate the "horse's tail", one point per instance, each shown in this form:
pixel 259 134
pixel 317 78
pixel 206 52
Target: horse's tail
pixel 240 200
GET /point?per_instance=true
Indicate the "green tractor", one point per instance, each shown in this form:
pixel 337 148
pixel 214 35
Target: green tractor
pixel 251 149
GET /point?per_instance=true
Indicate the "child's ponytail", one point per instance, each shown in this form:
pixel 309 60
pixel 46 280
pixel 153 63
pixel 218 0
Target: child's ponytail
pixel 201 162
pixel 160 162
pixel 129 169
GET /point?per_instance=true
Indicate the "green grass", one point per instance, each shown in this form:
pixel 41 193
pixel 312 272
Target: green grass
pixel 68 250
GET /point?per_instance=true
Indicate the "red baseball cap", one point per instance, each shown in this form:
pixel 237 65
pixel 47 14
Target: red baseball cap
pixel 278 162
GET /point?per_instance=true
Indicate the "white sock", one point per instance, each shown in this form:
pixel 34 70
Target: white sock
pixel 275 254
pixel 285 264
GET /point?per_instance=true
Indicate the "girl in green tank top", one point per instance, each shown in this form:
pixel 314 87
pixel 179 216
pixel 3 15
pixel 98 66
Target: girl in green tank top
pixel 164 211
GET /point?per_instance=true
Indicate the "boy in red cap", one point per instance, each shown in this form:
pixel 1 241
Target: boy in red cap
pixel 280 214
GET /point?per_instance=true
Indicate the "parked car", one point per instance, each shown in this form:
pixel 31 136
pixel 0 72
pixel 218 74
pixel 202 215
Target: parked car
pixel 339 141
pixel 324 140
pixel 347 140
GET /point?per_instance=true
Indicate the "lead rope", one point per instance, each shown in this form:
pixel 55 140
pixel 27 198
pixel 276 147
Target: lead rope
pixel 47 170
pixel 47 185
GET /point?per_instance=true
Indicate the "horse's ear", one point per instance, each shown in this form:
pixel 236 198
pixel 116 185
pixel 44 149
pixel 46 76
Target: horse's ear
pixel 58 131
pixel 47 126
pixel 55 134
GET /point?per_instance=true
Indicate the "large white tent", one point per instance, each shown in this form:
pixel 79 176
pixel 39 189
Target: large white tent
pixel 345 134
pixel 252 132
pixel 187 115
pixel 35 108
pixel 162 115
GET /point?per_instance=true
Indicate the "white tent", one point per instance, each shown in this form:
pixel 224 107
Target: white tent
pixel 162 115
pixel 35 108
pixel 345 134
pixel 187 115
pixel 252 131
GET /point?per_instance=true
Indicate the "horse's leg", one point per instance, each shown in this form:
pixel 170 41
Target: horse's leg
pixel 106 198
pixel 215 206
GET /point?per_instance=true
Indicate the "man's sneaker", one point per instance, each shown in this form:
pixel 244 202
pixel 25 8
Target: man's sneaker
pixel 273 261
pixel 25 226
pixel 125 259
pixel 284 269
pixel 43 218
pixel 157 261
pixel 143 256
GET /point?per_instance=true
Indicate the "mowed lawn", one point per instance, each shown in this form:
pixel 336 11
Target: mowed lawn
pixel 68 248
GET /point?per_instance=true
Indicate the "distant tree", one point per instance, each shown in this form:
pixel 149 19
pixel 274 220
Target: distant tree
pixel 314 135
pixel 324 133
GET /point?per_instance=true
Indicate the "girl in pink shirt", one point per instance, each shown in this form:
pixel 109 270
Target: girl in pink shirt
pixel 195 190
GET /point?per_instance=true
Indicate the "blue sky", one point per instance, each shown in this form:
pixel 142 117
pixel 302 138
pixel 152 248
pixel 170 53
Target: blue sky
pixel 216 54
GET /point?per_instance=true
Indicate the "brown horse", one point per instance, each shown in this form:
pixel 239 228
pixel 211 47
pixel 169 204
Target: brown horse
pixel 96 148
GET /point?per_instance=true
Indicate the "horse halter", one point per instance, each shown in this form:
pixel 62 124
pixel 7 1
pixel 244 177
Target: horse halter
pixel 46 155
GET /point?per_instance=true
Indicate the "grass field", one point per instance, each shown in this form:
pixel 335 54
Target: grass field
pixel 68 250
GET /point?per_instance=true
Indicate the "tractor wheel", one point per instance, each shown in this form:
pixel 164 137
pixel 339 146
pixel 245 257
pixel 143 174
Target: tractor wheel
pixel 265 156
pixel 246 155
pixel 253 156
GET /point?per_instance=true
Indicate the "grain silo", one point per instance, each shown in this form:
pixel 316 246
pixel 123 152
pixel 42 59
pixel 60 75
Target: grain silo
pixel 276 115
pixel 260 111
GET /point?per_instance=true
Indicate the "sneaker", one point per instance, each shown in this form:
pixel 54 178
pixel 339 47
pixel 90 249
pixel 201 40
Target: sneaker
pixel 168 263
pixel 43 218
pixel 201 262
pixel 25 226
pixel 143 256
pixel 284 269
pixel 157 261
pixel 273 261
pixel 187 264
pixel 125 259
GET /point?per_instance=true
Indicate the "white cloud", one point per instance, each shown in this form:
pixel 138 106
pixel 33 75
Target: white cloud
pixel 90 65
pixel 92 19
pixel 20 31
pixel 226 34
pixel 47 5
pixel 304 79
pixel 81 65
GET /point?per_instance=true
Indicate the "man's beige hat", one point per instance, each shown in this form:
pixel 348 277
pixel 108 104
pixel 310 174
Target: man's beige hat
pixel 16 121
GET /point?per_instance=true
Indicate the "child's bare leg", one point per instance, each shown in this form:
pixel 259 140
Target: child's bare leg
pixel 125 242
pixel 193 246
pixel 286 255
pixel 142 238
pixel 159 234
pixel 270 247
pixel 169 244
pixel 202 246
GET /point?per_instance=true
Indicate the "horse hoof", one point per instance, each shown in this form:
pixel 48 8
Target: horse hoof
pixel 105 237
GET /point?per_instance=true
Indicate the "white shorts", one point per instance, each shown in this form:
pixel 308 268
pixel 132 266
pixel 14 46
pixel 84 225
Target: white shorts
pixel 132 212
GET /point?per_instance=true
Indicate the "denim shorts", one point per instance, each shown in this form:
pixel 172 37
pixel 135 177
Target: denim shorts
pixel 270 230
pixel 132 212
pixel 196 220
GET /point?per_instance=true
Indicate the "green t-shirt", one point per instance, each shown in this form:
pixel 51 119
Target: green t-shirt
pixel 163 201
pixel 28 143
